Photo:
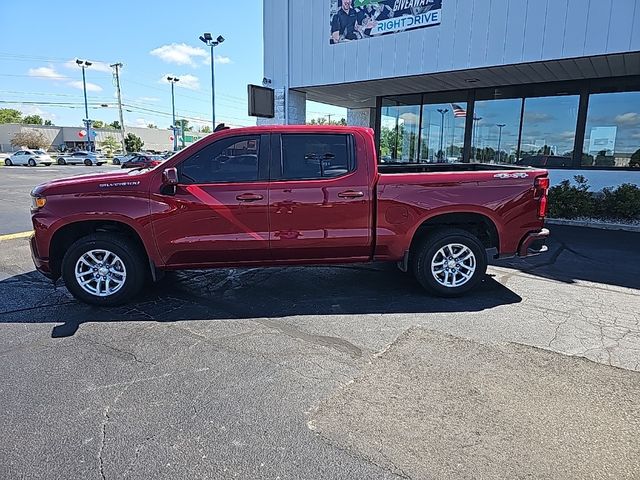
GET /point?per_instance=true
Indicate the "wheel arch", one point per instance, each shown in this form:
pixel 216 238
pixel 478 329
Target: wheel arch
pixel 69 233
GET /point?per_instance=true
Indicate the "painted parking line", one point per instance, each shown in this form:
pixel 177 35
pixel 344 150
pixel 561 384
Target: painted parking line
pixel 14 236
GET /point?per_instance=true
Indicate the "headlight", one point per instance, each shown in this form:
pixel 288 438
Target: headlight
pixel 37 203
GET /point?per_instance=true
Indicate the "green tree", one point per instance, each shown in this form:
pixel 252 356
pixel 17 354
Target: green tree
pixel 635 159
pixel 324 121
pixel 151 125
pixel 98 124
pixel 205 129
pixel 10 115
pixel 184 125
pixel 604 160
pixel 32 120
pixel 115 125
pixel 48 123
pixel 110 145
pixel 30 139
pixel 133 143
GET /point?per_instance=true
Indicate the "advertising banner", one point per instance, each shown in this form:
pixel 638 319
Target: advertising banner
pixel 359 19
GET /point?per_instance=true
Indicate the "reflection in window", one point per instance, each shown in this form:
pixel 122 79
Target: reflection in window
pixel 549 129
pixel 442 132
pixel 612 136
pixel 399 130
pixel 496 126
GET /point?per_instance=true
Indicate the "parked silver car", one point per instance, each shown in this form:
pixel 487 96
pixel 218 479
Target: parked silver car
pixel 30 158
pixel 82 158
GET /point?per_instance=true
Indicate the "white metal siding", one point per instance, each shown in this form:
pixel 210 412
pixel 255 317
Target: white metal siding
pixel 473 33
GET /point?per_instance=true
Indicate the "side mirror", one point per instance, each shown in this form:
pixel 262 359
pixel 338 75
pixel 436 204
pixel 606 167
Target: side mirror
pixel 170 177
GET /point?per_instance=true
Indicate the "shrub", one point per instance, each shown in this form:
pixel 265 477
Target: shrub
pixel 575 201
pixel 569 201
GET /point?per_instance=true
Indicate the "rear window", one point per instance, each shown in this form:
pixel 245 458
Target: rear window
pixel 308 157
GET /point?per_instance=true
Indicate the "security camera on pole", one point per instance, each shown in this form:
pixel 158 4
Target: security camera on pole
pixel 208 40
pixel 173 81
pixel 85 64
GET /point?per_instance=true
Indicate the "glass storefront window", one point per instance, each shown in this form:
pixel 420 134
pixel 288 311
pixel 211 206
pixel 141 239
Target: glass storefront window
pixel 496 126
pixel 612 136
pixel 549 130
pixel 400 129
pixel 442 132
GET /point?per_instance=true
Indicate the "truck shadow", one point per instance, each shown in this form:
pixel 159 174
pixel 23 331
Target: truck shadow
pixel 220 295
pixel 599 256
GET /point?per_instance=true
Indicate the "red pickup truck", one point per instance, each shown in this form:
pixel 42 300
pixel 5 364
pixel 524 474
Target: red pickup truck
pixel 284 195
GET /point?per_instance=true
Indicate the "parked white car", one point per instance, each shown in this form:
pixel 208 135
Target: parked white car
pixel 82 158
pixel 30 158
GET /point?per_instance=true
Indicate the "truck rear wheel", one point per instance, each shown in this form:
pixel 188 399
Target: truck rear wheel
pixel 449 262
pixel 103 269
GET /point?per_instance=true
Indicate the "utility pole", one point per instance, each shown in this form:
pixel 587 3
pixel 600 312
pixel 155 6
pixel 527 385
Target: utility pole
pixel 83 64
pixel 329 115
pixel 208 40
pixel 173 81
pixel 116 74
pixel 500 126
pixel 442 114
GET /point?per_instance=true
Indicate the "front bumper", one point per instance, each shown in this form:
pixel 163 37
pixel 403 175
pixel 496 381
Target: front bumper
pixel 534 243
pixel 41 264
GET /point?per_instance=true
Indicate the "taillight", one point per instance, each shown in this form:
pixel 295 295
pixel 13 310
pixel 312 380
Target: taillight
pixel 542 189
pixel 155 163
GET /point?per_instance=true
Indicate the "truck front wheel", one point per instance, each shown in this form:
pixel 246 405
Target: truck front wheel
pixel 449 262
pixel 103 269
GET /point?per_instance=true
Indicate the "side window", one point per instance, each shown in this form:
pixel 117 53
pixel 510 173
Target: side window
pixel 225 161
pixel 316 156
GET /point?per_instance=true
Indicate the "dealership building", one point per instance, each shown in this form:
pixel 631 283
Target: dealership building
pixel 548 82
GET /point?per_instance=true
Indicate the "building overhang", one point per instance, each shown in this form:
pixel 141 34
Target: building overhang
pixel 363 94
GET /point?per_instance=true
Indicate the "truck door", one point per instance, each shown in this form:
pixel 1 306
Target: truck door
pixel 219 213
pixel 320 205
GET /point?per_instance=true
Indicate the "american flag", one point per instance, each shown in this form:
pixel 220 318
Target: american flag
pixel 458 111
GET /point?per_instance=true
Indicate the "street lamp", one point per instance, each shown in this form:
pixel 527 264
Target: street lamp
pixel 476 120
pixel 83 64
pixel 208 40
pixel 442 111
pixel 173 81
pixel 500 126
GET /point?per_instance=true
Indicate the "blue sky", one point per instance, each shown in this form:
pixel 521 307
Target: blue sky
pixel 152 40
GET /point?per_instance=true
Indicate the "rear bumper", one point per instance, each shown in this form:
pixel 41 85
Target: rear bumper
pixel 41 264
pixel 534 243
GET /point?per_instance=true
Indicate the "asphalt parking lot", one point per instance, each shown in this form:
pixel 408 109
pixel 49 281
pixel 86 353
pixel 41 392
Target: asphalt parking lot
pixel 324 372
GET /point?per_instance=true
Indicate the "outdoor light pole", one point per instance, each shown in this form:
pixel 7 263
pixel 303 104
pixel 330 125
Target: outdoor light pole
pixel 442 111
pixel 475 134
pixel 500 126
pixel 173 81
pixel 208 40
pixel 85 64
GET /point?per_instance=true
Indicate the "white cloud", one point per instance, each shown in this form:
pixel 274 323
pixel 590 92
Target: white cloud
pixel 32 110
pixel 537 117
pixel 219 59
pixel 190 82
pixel 631 118
pixel 97 66
pixel 46 72
pixel 142 122
pixel 91 87
pixel 179 53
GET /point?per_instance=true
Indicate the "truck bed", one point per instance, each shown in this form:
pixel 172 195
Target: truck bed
pixel 399 167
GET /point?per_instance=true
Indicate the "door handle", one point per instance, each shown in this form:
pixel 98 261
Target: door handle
pixel 351 194
pixel 249 197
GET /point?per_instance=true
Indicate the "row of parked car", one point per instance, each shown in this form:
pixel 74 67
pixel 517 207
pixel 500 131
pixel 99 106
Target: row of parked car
pixel 33 158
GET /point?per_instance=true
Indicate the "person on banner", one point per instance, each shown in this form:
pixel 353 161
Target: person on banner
pixel 347 24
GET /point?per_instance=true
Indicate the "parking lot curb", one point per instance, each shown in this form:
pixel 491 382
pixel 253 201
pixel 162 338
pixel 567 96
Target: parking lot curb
pixel 594 224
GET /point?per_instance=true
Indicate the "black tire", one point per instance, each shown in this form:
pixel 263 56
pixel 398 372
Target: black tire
pixel 116 161
pixel 129 253
pixel 88 162
pixel 427 251
pixel 7 163
pixel 61 161
pixel 48 164
pixel 31 162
